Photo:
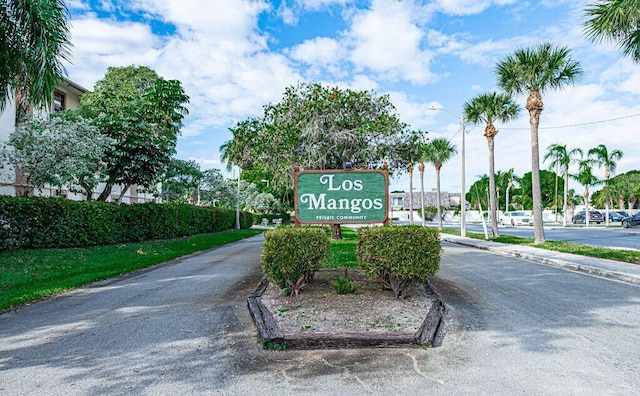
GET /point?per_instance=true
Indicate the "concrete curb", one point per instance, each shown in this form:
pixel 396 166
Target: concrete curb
pixel 539 257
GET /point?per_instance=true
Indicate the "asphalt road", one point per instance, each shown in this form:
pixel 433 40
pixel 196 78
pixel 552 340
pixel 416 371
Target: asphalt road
pixel 515 327
pixel 628 238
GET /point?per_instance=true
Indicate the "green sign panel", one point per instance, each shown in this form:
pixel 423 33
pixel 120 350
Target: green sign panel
pixel 341 197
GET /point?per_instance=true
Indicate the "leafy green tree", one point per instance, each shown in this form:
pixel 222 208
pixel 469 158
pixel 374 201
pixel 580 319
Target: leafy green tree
pixel 215 190
pixel 35 42
pixel 488 108
pixel 320 127
pixel 181 182
pixel 561 157
pixel 263 203
pixel 621 186
pixel 143 113
pixel 617 21
pixel 61 150
pixel 437 152
pixel 534 71
pixel 601 157
pixel 547 192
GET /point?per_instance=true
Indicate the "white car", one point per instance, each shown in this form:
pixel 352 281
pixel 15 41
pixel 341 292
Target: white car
pixel 518 217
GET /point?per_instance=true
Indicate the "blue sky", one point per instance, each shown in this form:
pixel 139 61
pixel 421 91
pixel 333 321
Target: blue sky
pixel 235 56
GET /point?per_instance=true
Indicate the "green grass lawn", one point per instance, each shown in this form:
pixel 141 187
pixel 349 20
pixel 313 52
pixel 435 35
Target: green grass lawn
pixel 343 252
pixel 29 275
pixel 627 256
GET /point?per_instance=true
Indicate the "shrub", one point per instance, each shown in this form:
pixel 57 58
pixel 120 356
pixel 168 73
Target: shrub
pixel 399 255
pixel 291 253
pixel 46 222
pixel 345 286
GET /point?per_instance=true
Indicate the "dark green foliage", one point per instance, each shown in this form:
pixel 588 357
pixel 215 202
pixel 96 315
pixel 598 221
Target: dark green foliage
pixel 399 255
pixel 290 253
pixel 345 286
pixel 39 222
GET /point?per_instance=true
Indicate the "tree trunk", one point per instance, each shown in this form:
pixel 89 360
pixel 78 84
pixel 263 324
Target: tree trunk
pixel 492 187
pixel 411 194
pixel 621 201
pixel 336 232
pixel 565 203
pixel 606 204
pixel 105 193
pixel 536 195
pixel 555 203
pixel 439 200
pixel 124 190
pixel 586 205
pixel 421 168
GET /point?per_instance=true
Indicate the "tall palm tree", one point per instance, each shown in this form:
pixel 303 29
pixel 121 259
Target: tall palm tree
pixel 587 179
pixel 561 158
pixel 488 108
pixel 410 171
pixel 438 151
pixel 35 41
pixel 615 20
pixel 534 71
pixel 601 156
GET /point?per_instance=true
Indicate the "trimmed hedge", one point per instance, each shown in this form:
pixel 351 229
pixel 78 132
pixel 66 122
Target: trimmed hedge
pixel 399 255
pixel 48 222
pixel 290 253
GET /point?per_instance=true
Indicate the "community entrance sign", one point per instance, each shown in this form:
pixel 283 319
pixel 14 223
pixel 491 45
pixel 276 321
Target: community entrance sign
pixel 341 196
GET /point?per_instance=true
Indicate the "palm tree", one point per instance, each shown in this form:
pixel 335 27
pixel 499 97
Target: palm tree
pixel 410 171
pixel 421 170
pixel 562 158
pixel 587 179
pixel 615 20
pixel 487 108
pixel 438 151
pixel 601 156
pixel 534 71
pixel 35 41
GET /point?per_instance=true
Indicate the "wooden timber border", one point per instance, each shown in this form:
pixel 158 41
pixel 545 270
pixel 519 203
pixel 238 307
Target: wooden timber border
pixel 430 333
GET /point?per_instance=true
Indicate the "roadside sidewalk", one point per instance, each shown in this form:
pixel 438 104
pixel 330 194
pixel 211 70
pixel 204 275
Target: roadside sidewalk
pixel 624 272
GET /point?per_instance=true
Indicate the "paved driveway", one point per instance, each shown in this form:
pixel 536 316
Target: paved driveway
pixel 182 328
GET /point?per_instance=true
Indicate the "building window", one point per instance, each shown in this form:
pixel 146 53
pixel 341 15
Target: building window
pixel 58 101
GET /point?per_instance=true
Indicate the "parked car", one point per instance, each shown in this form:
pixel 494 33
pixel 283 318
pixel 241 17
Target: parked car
pixel 594 217
pixel 518 217
pixel 616 215
pixel 631 221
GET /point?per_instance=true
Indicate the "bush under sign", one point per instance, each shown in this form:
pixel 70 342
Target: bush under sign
pixel 341 197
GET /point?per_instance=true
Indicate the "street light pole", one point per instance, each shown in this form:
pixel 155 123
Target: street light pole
pixel 463 202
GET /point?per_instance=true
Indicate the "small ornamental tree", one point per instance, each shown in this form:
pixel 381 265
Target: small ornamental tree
pixel 62 150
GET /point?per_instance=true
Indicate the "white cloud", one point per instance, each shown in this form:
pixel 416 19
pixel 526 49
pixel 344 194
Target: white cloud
pixel 468 7
pixel 315 5
pixel 319 50
pixel 386 40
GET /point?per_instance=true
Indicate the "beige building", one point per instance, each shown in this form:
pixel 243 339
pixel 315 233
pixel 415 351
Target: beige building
pixel 66 96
